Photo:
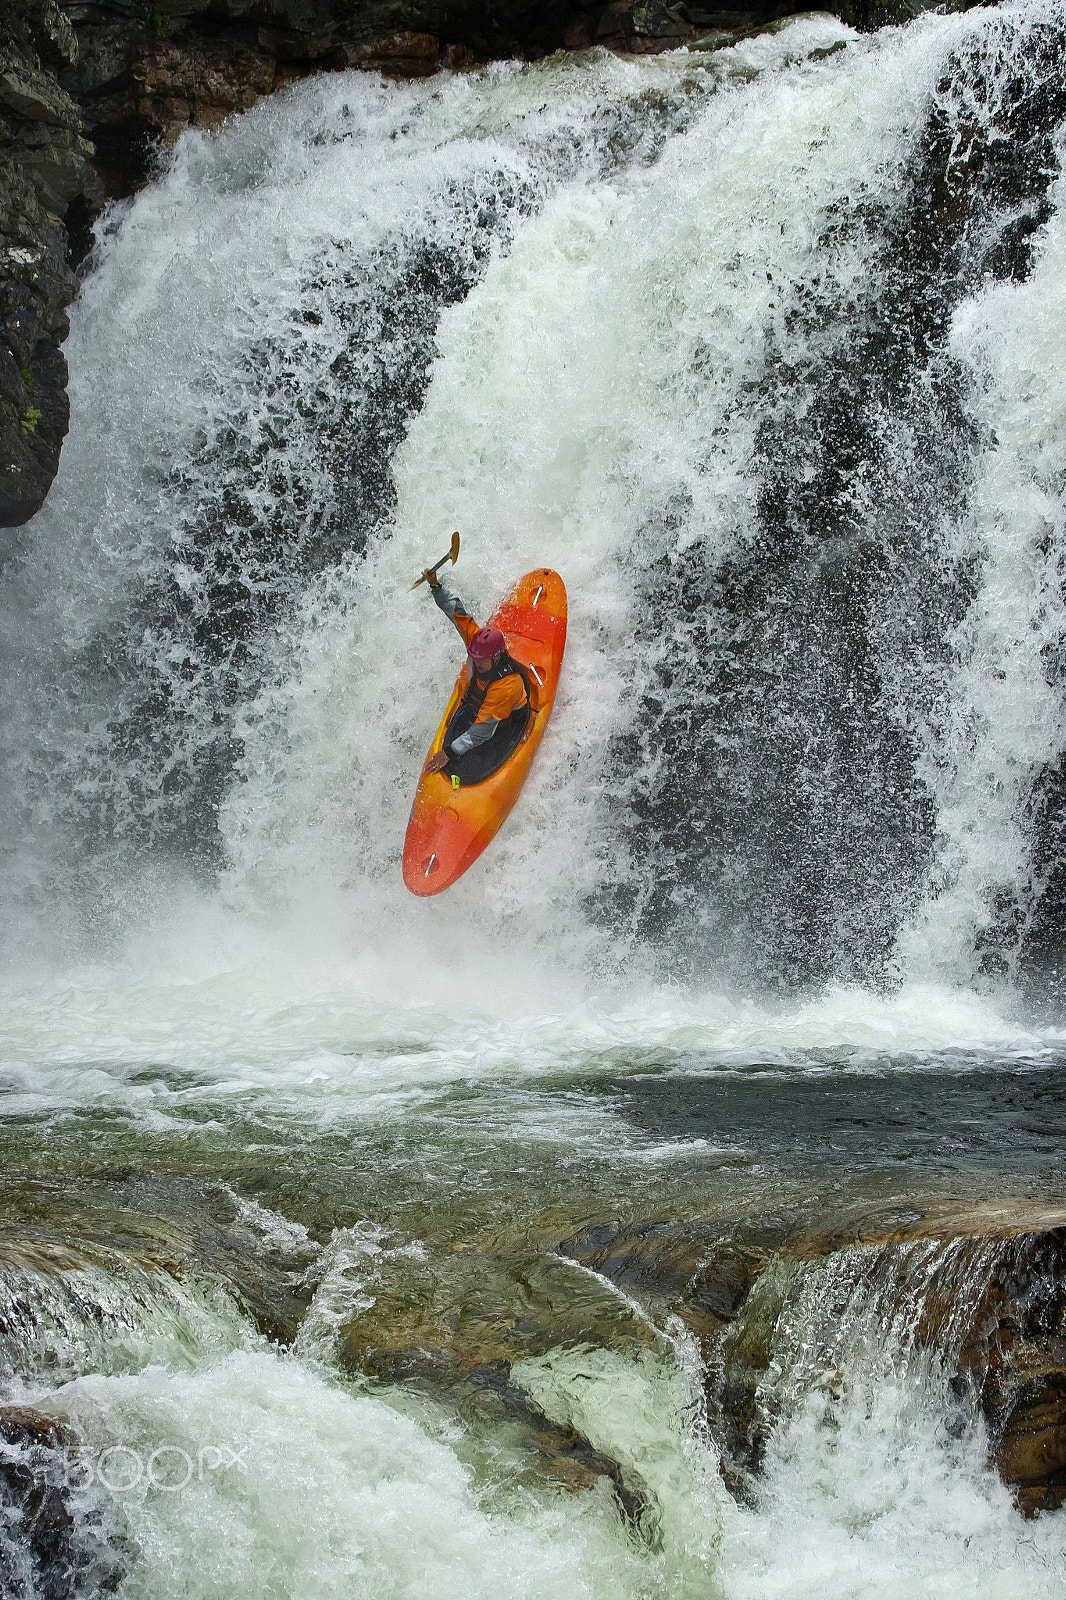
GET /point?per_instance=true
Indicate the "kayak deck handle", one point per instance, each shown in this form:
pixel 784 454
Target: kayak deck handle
pixel 536 674
pixel 538 594
pixel 430 864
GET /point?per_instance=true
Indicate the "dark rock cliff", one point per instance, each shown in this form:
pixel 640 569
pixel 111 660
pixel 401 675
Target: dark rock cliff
pixel 90 90
pixel 44 170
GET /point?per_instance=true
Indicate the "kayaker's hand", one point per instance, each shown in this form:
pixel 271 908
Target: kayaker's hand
pixel 437 763
pixel 431 577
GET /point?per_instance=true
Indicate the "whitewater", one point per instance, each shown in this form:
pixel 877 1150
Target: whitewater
pixel 773 926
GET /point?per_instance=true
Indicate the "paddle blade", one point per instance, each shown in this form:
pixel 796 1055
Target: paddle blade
pixel 454 551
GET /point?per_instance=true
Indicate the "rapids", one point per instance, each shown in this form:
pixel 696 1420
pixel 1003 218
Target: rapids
pixel 764 349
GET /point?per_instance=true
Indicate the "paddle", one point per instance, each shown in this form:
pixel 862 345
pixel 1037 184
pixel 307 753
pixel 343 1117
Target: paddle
pixel 452 556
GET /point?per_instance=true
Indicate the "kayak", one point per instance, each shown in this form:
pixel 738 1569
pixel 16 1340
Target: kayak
pixel 451 824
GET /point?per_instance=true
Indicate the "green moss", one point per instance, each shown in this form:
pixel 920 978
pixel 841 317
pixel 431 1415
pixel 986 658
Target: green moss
pixel 157 15
pixel 29 419
pixel 27 377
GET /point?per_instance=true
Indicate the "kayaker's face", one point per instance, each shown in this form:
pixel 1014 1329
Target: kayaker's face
pixel 483 665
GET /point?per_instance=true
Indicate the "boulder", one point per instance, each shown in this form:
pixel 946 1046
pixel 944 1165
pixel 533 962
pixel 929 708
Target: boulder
pixel 44 172
pixel 48 1546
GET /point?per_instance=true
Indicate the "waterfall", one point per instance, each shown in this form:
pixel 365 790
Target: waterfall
pixel 863 1412
pixel 253 340
pixel 723 337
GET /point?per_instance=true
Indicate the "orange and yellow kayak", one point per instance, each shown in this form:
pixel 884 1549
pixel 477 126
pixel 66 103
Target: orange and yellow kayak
pixel 450 827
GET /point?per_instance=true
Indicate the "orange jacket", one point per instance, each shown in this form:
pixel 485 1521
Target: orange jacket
pixel 501 698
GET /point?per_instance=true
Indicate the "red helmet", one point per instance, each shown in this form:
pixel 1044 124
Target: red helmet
pixel 486 643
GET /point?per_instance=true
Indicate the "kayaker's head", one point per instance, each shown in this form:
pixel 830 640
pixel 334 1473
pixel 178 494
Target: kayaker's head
pixel 485 649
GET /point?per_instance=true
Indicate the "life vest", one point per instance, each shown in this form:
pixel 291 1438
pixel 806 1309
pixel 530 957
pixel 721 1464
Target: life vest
pixel 478 688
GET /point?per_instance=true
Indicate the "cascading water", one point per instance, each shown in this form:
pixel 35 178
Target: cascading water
pixel 761 348
pixel 273 339
pixel 867 1376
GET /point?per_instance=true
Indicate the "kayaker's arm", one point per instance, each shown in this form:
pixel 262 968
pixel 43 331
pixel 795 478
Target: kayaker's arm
pixel 501 698
pixel 476 734
pixel 453 607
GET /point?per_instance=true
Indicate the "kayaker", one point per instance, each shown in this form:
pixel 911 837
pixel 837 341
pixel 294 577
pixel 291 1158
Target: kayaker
pixel 496 704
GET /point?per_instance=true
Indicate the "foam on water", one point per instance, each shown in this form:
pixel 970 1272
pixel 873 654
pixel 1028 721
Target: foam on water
pixel 238 1017
pixel 334 1494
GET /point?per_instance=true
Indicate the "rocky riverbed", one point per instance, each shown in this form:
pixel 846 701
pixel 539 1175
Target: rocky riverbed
pixel 459 1286
pixel 785 1309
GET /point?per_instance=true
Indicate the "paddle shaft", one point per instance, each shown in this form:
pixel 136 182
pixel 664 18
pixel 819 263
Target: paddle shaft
pixel 452 556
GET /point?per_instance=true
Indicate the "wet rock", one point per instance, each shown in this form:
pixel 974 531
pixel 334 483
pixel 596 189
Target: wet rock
pixel 56 1540
pixel 1030 1452
pixel 1014 1353
pixel 44 171
pixel 641 29
pixel 25 1425
pixel 699 1271
pixel 990 1298
pixel 466 1309
pixel 989 1294
pixel 736 1367
pixel 452 1325
pixel 205 1232
pixel 402 54
pixel 160 89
